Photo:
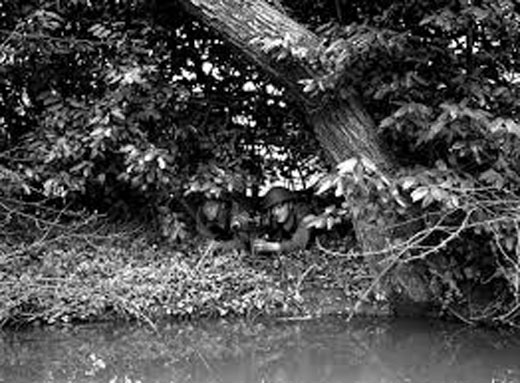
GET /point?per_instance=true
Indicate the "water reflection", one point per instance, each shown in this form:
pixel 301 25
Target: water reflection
pixel 365 351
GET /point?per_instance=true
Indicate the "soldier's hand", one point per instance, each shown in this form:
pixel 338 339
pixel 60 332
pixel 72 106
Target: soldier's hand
pixel 239 221
pixel 235 225
pixel 261 245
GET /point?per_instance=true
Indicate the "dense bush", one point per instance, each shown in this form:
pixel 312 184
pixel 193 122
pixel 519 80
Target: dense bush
pixel 119 107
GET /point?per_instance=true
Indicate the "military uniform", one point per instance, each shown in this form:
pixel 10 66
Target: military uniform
pixel 294 232
pixel 229 225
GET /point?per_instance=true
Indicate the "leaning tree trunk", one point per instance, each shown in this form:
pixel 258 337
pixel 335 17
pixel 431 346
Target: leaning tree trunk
pixel 341 124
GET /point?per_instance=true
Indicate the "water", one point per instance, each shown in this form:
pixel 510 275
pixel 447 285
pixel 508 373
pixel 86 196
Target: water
pixel 321 351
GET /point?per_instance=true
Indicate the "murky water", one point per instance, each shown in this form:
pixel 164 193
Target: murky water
pixel 325 351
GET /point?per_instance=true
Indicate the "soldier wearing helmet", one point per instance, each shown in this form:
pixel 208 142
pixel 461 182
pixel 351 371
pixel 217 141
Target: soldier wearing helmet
pixel 224 219
pixel 288 226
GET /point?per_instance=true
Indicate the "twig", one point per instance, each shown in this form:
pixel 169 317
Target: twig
pixel 445 241
pixel 208 251
pixel 509 314
pixel 138 313
pixel 37 36
pixel 372 286
pixel 461 317
pixel 517 263
pixel 30 216
pixel 333 253
pixel 302 277
pixel 10 34
pixel 206 363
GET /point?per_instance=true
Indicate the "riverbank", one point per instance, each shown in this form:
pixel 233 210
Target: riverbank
pixel 125 276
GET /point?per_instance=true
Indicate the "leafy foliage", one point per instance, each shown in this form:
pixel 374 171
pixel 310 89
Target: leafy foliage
pixel 465 232
pixel 119 275
pixel 441 81
pixel 118 106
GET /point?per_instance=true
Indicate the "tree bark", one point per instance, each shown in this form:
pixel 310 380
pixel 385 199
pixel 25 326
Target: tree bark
pixel 341 124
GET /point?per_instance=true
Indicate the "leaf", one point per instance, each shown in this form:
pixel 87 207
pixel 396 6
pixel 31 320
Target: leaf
pixel 408 182
pixel 161 162
pixel 340 189
pixel 270 44
pixel 427 200
pixel 282 55
pixel 99 131
pixel 441 165
pixel 48 187
pixel 300 52
pixel 310 87
pixel 403 110
pixel 117 113
pixel 149 156
pixel 400 200
pixel 512 127
pixel 80 166
pixel 318 222
pixel 347 166
pixel 437 126
pixel 55 16
pixel 52 25
pixel 510 243
pixel 438 194
pixel 454 202
pixel 419 193
pixel 75 104
pixel 326 184
pixel 94 28
pixel 51 100
pixel 479 13
pixel 127 148
pixel 492 177
pixel 255 40
pixel 369 164
pixel 26 189
pixel 387 122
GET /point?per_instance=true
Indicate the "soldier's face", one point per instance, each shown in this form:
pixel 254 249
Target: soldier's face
pixel 211 209
pixel 280 212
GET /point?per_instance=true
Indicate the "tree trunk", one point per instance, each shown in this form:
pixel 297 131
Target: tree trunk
pixel 244 23
pixel 345 130
pixel 341 124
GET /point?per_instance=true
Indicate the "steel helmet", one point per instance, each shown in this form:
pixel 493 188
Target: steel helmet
pixel 277 195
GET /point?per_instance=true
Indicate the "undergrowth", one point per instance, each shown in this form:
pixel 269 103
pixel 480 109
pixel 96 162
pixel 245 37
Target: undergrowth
pixel 122 275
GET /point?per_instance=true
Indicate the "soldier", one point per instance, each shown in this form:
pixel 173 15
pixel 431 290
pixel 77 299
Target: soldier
pixel 288 222
pixel 224 219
